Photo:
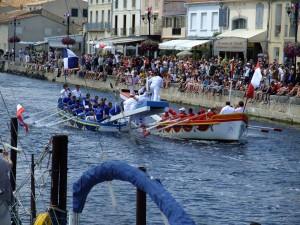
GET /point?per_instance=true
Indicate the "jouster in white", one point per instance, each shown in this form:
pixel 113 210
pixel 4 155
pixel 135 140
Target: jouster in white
pixel 156 83
pixel 64 93
pixel 130 104
pixel 227 109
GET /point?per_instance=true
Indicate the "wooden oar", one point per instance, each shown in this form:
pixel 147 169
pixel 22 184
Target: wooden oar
pixel 46 117
pixel 265 129
pixel 59 122
pixel 146 132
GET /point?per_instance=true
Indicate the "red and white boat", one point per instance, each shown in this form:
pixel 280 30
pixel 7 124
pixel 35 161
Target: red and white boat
pixel 228 127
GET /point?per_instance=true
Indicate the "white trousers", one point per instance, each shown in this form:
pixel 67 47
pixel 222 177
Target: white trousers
pixel 4 213
pixel 155 93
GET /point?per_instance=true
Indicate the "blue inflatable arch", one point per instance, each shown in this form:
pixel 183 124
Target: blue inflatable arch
pixel 116 170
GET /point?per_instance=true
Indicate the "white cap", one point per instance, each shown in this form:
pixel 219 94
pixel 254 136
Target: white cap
pixel 182 109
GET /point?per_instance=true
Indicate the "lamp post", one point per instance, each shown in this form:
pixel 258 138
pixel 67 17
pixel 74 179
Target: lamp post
pixel 293 13
pixel 14 23
pixel 149 18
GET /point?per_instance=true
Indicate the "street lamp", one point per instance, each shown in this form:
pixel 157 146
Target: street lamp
pixel 293 12
pixel 149 18
pixel 15 36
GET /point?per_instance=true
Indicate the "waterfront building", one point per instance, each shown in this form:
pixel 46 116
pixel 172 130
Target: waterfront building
pixel 174 16
pixel 99 22
pixel 244 27
pixel 281 30
pixel 45 23
pixel 76 9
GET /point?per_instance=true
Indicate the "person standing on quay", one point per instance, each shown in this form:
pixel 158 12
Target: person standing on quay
pixel 5 188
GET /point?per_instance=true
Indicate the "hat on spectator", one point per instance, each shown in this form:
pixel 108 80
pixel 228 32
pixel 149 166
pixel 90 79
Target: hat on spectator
pixel 182 109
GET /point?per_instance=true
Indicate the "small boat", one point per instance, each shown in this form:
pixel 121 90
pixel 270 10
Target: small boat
pixel 81 123
pixel 227 127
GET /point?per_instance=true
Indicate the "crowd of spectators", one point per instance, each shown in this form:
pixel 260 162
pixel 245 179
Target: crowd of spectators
pixel 213 76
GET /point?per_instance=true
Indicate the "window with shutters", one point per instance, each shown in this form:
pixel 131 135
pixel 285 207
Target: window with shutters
pixel 193 21
pixel 203 22
pixel 97 17
pixel 278 15
pixel 259 16
pixel 239 23
pixel 215 21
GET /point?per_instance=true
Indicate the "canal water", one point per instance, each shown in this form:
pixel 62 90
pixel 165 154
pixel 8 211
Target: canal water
pixel 257 179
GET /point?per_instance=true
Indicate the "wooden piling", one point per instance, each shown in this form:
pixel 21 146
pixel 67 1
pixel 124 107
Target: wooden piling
pixel 13 153
pixel 59 179
pixel 141 204
pixel 32 196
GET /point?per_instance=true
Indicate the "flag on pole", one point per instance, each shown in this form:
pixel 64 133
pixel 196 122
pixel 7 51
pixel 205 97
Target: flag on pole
pixel 20 110
pixel 70 59
pixel 255 81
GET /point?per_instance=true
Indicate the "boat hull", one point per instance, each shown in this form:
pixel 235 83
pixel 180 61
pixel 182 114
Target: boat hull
pixel 222 128
pixel 82 124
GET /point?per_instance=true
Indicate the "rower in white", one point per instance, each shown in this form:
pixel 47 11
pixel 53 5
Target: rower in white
pixel 130 103
pixel 227 109
pixel 64 93
pixel 77 92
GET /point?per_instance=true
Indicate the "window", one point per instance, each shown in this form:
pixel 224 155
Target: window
pixel 193 21
pixel 116 4
pixel 133 3
pixel 108 16
pixel 91 16
pixel 276 53
pixel 102 1
pixel 74 12
pixel 278 13
pixel 124 4
pixel 102 16
pixel 215 21
pixel 85 13
pixel 203 25
pixel 239 23
pixel 97 16
pixel 97 1
pixel 91 1
pixel 156 4
pixel 259 16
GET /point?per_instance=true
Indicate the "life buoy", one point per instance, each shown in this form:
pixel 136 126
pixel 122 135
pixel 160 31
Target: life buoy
pixel 43 219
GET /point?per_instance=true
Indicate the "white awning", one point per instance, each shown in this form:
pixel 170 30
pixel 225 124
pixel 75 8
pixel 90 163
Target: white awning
pixel 190 44
pixel 170 45
pixel 250 35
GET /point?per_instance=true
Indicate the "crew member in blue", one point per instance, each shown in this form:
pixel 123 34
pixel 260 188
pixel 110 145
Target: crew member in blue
pixel 86 101
pixel 115 110
pixel 99 113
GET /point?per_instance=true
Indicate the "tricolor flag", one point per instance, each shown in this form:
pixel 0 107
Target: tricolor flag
pixel 255 82
pixel 20 110
pixel 70 59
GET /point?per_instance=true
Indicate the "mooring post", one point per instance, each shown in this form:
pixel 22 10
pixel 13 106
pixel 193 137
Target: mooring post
pixel 13 153
pixel 63 164
pixel 59 179
pixel 32 196
pixel 141 204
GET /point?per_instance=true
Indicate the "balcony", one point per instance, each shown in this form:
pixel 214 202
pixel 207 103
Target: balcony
pixel 97 26
pixel 170 32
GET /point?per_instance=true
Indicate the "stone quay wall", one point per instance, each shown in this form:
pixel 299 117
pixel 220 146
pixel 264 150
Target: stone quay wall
pixel 280 108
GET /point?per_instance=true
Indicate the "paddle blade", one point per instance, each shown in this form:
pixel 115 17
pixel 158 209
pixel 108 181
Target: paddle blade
pixel 264 130
pixel 278 129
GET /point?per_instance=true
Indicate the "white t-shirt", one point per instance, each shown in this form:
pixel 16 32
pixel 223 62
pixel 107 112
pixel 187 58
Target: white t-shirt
pixel 76 93
pixel 64 93
pixel 227 110
pixel 239 110
pixel 130 104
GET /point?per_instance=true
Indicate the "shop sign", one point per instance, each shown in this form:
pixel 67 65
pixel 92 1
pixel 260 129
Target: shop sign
pixel 230 44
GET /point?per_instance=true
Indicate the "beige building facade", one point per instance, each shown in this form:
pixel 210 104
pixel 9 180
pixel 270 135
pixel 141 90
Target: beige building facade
pixel 281 30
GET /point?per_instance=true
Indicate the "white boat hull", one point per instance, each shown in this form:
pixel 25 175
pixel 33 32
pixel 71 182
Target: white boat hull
pixel 224 131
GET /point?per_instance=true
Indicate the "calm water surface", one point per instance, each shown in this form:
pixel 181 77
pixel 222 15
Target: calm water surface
pixel 216 183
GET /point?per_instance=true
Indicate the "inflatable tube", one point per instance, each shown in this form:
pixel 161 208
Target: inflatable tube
pixel 116 170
